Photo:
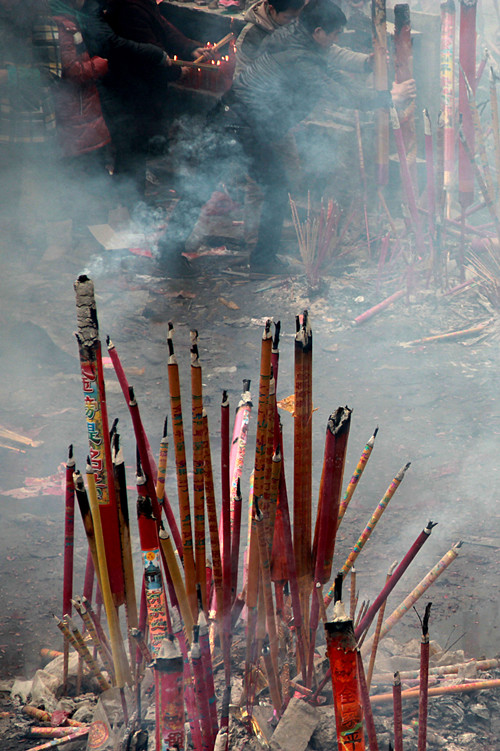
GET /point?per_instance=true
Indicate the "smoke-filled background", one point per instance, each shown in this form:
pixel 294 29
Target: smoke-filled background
pixel 435 405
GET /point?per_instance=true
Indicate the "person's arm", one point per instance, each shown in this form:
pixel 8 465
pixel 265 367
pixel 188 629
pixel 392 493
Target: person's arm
pixel 346 59
pixel 74 68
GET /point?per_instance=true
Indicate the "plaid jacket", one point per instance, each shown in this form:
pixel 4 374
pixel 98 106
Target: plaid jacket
pixel 26 107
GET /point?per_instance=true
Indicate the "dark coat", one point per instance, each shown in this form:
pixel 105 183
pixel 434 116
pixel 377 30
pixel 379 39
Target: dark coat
pixel 80 123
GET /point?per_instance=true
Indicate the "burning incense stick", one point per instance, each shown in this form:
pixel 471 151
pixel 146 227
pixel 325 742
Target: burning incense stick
pixel 76 735
pixel 376 636
pixel 105 656
pixel 201 694
pixel 341 650
pixel 398 713
pixel 192 712
pixel 79 645
pixel 360 468
pixel 69 534
pixel 206 658
pixel 216 47
pixel 97 424
pixel 365 535
pixel 424 681
pixel 198 482
pixel 181 471
pixel 266 584
pixel 371 733
pixel 415 594
pixel 169 701
pixel 393 579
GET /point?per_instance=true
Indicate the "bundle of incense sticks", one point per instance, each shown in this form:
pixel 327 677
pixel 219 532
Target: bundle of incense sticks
pixel 319 236
pixel 185 617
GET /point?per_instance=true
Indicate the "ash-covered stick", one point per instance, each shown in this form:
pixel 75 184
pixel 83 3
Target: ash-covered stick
pixel 89 347
pixel 398 713
pixel 198 481
pixel 393 580
pixel 105 655
pixel 71 633
pixel 181 471
pixel 424 681
pixel 415 594
pixel 360 468
pixel 69 535
pixel 382 505
pixel 120 662
pixel 379 307
pixel 376 637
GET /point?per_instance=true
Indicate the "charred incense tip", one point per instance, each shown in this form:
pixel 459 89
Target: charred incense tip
pixel 131 396
pixel 246 385
pixel 86 314
pixel 165 427
pixel 397 678
pixel 257 512
pixel 339 421
pixel 163 534
pixel 78 480
pixel 401 16
pixel 196 634
pixel 195 357
pixel 109 343
pixel 225 400
pixel 375 432
pixel 276 337
pixel 145 507
pixel 458 545
pixel 193 336
pixel 71 460
pixel 337 592
pixel 430 526
pixel 88 467
pixel 267 329
pixel 425 620
pixel 238 490
pixel 277 455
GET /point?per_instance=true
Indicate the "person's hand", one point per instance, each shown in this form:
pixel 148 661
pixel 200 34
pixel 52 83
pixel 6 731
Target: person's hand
pixel 201 52
pixel 400 92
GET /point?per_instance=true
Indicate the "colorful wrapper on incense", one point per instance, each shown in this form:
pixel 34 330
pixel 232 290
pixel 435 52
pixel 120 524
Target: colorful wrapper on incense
pixel 358 547
pixel 192 711
pixel 153 580
pixel 239 441
pixel 341 651
pixel 76 735
pixel 360 468
pixel 97 427
pixel 169 703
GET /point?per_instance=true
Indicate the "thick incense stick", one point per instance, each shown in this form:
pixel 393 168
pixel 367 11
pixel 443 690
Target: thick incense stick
pixel 69 534
pixel 365 535
pixel 403 68
pixel 212 519
pixel 169 701
pixel 201 694
pixel 371 733
pixel 447 69
pixel 415 594
pixel 216 47
pixel 341 650
pixel 97 426
pixel 398 713
pixel 431 178
pixel 208 670
pixel 302 457
pixel 393 580
pixel 460 688
pixel 181 471
pixel 363 177
pixel 424 681
pixel 122 670
pixel 266 584
pixel 99 645
pixel 467 57
pixel 198 482
pixel 57 742
pixel 178 582
pixel 226 532
pixel 381 83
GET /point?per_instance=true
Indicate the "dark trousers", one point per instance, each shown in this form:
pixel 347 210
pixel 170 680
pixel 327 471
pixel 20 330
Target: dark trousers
pixel 211 161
